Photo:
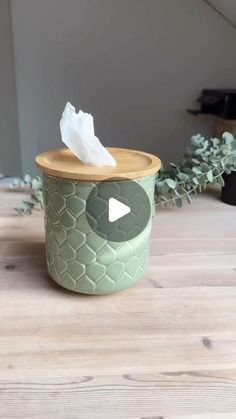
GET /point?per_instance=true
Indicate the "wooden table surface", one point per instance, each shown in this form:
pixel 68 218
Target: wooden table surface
pixel 165 348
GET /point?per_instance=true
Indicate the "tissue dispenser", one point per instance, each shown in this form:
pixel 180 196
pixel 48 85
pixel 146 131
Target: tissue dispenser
pixel 219 102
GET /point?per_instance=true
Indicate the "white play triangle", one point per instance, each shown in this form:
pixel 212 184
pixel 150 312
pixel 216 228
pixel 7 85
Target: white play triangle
pixel 116 210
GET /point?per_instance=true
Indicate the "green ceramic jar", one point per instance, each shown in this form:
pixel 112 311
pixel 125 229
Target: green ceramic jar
pixel 77 257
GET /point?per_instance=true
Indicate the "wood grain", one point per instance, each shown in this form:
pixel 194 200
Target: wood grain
pixel 165 348
pixel 130 164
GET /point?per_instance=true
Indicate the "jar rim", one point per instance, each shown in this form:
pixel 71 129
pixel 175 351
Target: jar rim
pixel 131 164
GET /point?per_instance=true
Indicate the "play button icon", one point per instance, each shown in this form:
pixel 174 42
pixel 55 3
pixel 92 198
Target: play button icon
pixel 117 210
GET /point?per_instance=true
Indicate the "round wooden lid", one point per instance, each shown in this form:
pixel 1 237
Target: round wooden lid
pixel 131 164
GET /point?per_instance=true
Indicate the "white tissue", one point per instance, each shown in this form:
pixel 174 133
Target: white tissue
pixel 77 132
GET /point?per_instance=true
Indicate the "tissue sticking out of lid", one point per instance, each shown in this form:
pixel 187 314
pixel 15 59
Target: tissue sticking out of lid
pixel 77 133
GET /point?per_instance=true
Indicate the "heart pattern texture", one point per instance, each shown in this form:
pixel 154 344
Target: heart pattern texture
pixel 77 258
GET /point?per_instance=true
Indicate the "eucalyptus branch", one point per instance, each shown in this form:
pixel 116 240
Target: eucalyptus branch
pixel 204 162
pixel 32 186
pixel 194 189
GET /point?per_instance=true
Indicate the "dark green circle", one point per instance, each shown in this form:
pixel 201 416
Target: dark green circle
pixel 130 225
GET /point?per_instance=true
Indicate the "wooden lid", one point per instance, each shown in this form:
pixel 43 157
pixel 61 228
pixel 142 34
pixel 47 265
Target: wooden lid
pixel 131 164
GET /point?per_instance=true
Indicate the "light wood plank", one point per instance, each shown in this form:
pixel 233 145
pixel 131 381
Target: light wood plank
pixel 127 396
pixel 165 348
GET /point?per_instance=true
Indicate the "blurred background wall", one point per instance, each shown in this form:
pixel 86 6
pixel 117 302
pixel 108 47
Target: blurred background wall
pixel 136 65
pixel 10 158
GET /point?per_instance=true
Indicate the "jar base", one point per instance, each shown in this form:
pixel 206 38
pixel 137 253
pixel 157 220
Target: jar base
pixel 104 288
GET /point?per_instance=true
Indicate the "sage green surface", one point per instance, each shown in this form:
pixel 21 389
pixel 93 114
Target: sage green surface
pixel 77 258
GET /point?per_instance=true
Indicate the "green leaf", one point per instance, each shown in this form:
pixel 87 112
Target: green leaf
pixel 195 160
pixel 16 182
pixel 210 176
pixel 228 138
pixel 215 142
pixel 188 171
pixel 205 144
pixel 204 167
pixel 199 151
pixel 202 180
pixel 27 178
pixel 197 140
pixel 197 170
pixel 225 151
pixel 165 188
pixel 178 202
pixel 20 211
pixel 182 176
pixel 171 183
pixel 36 184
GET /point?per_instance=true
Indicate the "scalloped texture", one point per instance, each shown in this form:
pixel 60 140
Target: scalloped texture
pixel 77 258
